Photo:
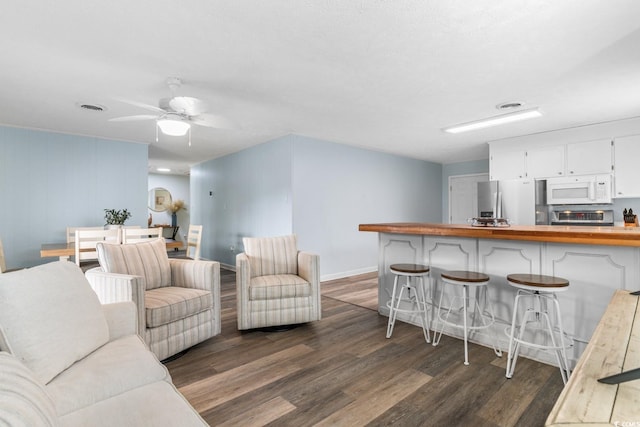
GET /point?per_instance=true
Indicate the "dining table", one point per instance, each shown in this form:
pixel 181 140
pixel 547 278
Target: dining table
pixel 64 250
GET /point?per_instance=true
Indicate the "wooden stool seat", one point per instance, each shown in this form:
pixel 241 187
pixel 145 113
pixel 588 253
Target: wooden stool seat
pixel 538 280
pixel 465 276
pixel 409 268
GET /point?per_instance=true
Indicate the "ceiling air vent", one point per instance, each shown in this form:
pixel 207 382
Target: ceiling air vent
pixel 91 107
pixel 508 105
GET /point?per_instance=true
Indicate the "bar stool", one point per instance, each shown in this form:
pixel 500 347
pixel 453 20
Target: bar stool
pixel 417 302
pixel 466 280
pixel 539 290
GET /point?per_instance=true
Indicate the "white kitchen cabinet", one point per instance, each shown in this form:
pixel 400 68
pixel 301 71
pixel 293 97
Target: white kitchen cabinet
pixel 627 173
pixel 578 158
pixel 507 165
pixel 593 157
pixel 545 162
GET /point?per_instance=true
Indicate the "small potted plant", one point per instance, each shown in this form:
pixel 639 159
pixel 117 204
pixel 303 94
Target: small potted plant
pixel 115 217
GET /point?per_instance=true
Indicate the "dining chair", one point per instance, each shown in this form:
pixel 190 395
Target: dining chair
pixel 194 237
pixel 135 235
pixel 3 263
pixel 71 237
pixel 71 232
pixel 86 241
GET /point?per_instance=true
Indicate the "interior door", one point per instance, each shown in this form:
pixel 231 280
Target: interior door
pixel 463 197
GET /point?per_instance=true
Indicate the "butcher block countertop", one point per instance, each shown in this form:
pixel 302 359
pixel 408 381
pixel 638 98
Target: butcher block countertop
pixel 582 235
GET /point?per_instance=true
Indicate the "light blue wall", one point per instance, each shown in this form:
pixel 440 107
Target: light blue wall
pixel 319 190
pixel 49 181
pixel 462 168
pixel 243 194
pixel 337 187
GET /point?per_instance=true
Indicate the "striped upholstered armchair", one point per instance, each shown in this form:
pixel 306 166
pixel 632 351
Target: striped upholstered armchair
pixel 276 284
pixel 178 300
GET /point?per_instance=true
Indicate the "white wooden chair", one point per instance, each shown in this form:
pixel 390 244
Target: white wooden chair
pixel 86 241
pixel 194 237
pixel 3 263
pixel 71 232
pixel 71 236
pixel 135 235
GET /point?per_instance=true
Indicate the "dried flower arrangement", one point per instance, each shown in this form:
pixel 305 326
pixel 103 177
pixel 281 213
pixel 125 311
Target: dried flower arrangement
pixel 177 205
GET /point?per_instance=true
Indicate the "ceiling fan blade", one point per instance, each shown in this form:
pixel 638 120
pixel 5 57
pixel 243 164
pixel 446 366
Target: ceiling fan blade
pixel 142 105
pixel 214 121
pixel 188 105
pixel 134 118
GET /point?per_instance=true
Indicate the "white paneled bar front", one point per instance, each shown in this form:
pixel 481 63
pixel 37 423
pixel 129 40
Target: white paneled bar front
pixel 595 272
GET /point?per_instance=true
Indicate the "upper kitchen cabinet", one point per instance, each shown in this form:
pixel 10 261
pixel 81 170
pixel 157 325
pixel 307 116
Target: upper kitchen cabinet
pixel 593 157
pixel 507 165
pixel 546 162
pixel 627 173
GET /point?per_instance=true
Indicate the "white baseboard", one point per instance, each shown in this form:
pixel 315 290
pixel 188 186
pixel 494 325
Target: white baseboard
pixel 228 267
pixel 343 274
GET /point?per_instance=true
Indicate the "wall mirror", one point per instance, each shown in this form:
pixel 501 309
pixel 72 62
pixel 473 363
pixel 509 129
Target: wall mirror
pixel 159 199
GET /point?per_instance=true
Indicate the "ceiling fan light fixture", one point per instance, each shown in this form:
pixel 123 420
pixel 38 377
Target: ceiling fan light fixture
pixel 173 127
pixel 495 121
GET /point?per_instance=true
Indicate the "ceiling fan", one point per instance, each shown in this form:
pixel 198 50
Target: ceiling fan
pixel 175 115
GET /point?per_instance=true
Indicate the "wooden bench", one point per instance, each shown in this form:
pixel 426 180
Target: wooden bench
pixel 613 348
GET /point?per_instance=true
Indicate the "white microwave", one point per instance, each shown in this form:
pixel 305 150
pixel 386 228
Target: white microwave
pixel 579 190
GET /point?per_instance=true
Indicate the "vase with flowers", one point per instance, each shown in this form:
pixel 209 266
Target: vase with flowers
pixel 174 207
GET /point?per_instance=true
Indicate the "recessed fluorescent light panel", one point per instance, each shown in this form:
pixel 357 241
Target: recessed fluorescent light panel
pixel 495 121
pixel 163 170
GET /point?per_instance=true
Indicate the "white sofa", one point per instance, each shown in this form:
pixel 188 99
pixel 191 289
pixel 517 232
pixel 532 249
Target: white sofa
pixel 67 360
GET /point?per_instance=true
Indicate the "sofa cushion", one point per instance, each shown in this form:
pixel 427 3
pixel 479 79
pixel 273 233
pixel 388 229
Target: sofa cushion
pixel 272 255
pixel 146 259
pixel 50 317
pixel 23 400
pixel 166 305
pixel 155 404
pixel 278 286
pixel 113 369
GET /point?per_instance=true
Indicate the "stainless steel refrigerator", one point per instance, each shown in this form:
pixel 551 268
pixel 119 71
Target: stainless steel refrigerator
pixel 521 201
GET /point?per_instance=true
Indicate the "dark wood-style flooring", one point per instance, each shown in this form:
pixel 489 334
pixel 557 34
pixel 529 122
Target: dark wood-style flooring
pixel 342 371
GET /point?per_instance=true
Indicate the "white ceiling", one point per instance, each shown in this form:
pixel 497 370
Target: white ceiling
pixel 386 75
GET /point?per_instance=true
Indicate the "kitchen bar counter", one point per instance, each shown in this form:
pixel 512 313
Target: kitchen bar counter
pixel 584 235
pixel 597 261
